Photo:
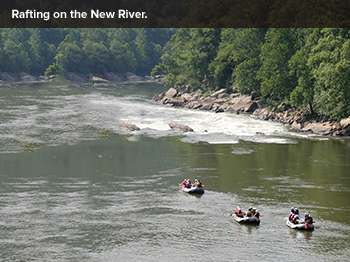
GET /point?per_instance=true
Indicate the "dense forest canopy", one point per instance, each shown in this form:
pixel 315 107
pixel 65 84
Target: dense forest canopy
pixel 299 66
pixel 34 50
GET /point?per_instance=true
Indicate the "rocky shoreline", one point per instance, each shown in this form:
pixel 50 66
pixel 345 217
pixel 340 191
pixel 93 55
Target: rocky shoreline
pixel 75 77
pixel 224 100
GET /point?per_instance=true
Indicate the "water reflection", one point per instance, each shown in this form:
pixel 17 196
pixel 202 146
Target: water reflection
pixel 243 229
pixel 305 234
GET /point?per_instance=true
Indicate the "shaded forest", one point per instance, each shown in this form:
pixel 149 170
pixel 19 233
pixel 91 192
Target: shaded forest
pixel 300 67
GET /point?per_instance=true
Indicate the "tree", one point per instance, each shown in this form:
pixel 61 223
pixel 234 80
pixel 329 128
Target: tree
pixel 329 61
pixel 16 57
pixel 276 81
pixel 247 48
pixel 70 57
pixel 303 93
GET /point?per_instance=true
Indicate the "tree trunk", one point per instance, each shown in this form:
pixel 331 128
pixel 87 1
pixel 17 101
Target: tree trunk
pixel 311 108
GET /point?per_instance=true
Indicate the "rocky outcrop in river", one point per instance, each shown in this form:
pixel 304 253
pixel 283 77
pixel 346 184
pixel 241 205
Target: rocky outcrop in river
pixel 225 100
pixel 130 127
pixel 180 127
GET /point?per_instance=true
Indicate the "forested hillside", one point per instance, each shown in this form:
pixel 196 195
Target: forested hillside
pixel 302 67
pixel 81 50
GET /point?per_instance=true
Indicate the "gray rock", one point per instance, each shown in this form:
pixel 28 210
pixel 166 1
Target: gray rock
pixel 180 127
pixel 345 122
pixel 220 92
pixel 26 77
pixel 74 77
pixel 318 128
pixel 132 77
pixel 131 127
pixel 170 93
pixel 6 77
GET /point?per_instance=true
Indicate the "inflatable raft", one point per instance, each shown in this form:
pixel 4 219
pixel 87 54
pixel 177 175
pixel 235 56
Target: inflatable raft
pixel 301 226
pixel 242 218
pixel 246 220
pixel 193 190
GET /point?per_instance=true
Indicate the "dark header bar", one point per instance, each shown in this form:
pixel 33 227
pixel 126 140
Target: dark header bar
pixel 175 14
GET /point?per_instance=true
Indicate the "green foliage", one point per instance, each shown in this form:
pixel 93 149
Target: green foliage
pixel 299 66
pixel 81 50
pixel 330 66
pixel 188 55
pixel 279 47
pixel 302 66
pixel 53 69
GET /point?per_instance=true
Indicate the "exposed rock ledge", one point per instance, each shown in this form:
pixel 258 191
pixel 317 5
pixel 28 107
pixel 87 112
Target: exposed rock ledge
pixel 75 77
pixel 225 101
pixel 106 77
pixel 180 127
pixel 6 77
pixel 127 126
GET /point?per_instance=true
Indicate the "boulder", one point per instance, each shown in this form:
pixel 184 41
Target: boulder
pixel 170 93
pixel 186 97
pixel 180 127
pixel 132 77
pixel 296 127
pixel 176 101
pixel 158 97
pixel 318 128
pixel 26 77
pixel 112 77
pixel 345 122
pixel 218 93
pixel 74 77
pixel 194 104
pixel 6 77
pixel 242 104
pixel 131 127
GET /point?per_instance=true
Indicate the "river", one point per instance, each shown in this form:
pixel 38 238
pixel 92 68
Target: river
pixel 75 187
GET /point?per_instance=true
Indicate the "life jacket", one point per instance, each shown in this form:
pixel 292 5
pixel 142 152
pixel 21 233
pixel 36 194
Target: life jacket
pixel 309 220
pixel 239 213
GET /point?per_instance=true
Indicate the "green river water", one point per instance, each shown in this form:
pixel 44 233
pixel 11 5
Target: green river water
pixel 74 187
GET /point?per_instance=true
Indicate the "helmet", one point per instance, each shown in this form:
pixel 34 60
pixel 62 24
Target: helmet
pixel 189 181
pixel 296 208
pixel 306 214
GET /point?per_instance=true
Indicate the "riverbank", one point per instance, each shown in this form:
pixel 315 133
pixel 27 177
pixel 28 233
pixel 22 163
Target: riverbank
pixel 300 120
pixel 75 77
